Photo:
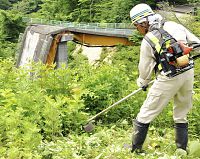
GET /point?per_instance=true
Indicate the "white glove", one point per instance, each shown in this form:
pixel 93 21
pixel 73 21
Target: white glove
pixel 141 82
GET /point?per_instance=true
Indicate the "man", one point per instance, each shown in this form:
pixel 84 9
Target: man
pixel 174 78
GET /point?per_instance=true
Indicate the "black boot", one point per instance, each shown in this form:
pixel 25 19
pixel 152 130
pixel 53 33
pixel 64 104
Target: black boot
pixel 139 136
pixel 181 135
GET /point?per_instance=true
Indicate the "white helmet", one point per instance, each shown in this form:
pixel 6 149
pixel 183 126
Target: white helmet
pixel 140 11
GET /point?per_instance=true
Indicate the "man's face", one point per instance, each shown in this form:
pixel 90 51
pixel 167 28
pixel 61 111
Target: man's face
pixel 142 27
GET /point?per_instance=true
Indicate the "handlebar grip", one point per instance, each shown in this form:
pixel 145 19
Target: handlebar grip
pixel 196 46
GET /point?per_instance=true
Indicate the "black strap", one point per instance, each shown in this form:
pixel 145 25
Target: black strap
pixel 196 57
pixel 196 46
pixel 165 36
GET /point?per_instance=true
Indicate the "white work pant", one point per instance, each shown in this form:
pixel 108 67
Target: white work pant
pixel 163 89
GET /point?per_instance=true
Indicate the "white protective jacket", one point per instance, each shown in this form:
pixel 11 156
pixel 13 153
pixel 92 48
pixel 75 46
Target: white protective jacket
pixel 164 88
pixel 147 58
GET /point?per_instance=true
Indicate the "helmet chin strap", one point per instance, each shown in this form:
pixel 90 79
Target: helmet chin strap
pixel 146 27
pixel 146 30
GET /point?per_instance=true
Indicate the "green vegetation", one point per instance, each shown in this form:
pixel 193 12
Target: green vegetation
pixel 12 13
pixel 42 110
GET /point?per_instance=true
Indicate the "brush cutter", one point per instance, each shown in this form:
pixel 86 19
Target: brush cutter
pixel 194 47
pixel 89 126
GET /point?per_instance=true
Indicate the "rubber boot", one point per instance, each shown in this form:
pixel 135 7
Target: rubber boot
pixel 139 136
pixel 181 135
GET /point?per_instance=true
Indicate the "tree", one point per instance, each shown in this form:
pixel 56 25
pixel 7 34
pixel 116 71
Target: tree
pixel 27 6
pixel 4 4
pixel 114 11
pixel 57 9
pixel 11 25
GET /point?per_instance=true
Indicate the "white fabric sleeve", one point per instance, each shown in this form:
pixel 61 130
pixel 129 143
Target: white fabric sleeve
pixel 146 64
pixel 190 36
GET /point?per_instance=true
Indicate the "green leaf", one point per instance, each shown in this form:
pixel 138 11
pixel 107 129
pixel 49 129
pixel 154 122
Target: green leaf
pixel 194 148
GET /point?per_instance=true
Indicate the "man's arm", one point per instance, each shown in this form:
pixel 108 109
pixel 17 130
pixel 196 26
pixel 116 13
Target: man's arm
pixel 190 36
pixel 146 64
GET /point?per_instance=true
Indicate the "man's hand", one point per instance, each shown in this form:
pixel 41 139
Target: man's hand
pixel 144 88
pixel 142 83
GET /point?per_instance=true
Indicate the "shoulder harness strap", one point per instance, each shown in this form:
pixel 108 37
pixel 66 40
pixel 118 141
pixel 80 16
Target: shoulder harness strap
pixel 159 43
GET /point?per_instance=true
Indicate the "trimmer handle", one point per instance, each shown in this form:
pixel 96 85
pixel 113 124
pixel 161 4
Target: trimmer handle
pixel 195 46
pixel 121 100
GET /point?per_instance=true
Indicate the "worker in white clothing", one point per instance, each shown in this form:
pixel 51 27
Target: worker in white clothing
pixel 163 51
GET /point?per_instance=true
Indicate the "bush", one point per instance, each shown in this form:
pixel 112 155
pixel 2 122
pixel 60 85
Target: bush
pixel 37 104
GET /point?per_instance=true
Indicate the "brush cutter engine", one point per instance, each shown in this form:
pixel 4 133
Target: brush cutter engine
pixel 175 59
pixel 172 56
